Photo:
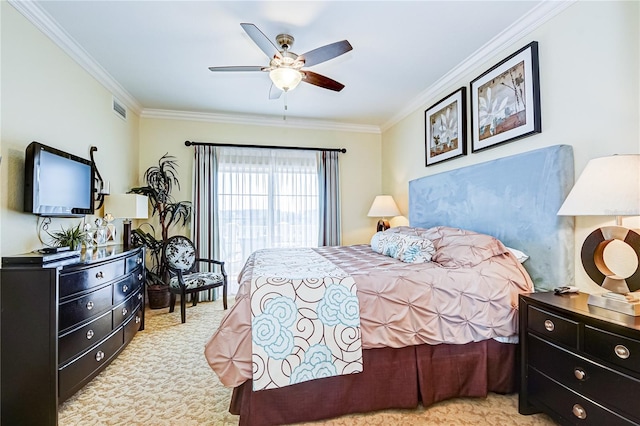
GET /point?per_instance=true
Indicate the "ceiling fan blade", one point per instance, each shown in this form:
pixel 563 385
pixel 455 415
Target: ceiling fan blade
pixel 261 40
pixel 240 68
pixel 321 81
pixel 274 92
pixel 325 53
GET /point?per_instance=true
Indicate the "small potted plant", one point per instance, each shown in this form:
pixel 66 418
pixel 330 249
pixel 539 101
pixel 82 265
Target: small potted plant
pixel 71 237
pixel 160 180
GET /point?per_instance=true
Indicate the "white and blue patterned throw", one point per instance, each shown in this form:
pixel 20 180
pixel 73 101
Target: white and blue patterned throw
pixel 305 319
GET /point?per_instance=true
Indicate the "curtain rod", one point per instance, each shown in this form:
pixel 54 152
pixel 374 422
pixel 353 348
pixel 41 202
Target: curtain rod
pixel 189 143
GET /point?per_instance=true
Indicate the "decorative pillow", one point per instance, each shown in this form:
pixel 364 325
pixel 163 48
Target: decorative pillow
pixel 522 257
pixel 407 248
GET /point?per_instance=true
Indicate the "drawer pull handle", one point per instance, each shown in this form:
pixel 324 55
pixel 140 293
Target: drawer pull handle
pixel 139 296
pixel 622 352
pixel 125 311
pixel 89 305
pixel 99 356
pixel 579 373
pixel 139 260
pixel 139 277
pixel 99 275
pixel 89 334
pixel 549 325
pixel 579 412
pixel 125 288
pixel 137 319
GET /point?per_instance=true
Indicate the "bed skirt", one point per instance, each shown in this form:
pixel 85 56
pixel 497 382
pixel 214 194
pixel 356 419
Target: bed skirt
pixel 392 378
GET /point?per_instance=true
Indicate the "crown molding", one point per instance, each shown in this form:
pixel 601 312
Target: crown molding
pixel 520 28
pixel 256 120
pixel 42 21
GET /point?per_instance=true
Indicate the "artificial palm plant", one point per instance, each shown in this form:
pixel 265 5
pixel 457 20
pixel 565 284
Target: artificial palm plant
pixel 160 181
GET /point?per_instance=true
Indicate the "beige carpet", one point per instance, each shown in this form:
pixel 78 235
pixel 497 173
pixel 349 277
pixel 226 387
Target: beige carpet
pixel 162 378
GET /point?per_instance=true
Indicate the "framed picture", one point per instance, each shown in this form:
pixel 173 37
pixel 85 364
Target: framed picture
pixel 505 100
pixel 445 128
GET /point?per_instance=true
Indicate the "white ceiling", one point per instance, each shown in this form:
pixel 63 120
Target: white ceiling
pixel 157 53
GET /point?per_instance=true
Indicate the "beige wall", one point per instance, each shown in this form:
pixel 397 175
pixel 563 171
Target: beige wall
pixel 589 79
pixel 48 98
pixel 589 57
pixel 359 167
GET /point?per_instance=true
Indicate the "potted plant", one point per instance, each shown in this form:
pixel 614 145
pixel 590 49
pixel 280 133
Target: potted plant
pixel 160 181
pixel 71 237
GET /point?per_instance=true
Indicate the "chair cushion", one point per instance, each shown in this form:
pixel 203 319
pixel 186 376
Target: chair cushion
pixel 198 279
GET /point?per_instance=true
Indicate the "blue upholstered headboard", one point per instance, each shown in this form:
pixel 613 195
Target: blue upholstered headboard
pixel 514 199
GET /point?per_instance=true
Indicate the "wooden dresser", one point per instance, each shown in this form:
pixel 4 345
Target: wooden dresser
pixel 580 364
pixel 62 323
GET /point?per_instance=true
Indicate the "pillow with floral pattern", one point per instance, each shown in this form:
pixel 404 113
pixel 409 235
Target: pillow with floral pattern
pixel 407 248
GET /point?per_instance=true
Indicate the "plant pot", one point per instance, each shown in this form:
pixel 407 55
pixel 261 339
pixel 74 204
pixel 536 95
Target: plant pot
pixel 159 296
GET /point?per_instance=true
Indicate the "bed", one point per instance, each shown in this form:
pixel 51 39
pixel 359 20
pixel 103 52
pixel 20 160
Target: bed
pixel 472 216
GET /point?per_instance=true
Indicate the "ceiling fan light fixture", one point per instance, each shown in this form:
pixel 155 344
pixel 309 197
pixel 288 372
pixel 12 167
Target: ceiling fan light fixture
pixel 285 78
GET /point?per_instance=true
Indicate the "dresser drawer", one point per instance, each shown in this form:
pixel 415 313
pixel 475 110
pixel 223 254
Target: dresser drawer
pixel 610 347
pixel 82 308
pixel 133 262
pixel 611 389
pixel 125 309
pixel 74 375
pixel 571 406
pixel 84 279
pixel 553 327
pixel 79 340
pixel 132 325
pixel 126 287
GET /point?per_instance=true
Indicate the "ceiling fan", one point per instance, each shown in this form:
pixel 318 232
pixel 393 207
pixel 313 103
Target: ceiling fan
pixel 285 67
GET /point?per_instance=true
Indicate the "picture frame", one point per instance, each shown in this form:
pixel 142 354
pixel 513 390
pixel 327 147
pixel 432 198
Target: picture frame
pixel 505 100
pixel 446 128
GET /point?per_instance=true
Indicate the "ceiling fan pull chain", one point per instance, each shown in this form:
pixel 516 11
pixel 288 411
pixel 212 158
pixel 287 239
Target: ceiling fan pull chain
pixel 284 117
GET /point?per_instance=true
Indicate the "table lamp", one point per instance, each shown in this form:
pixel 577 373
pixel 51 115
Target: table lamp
pixel 127 207
pixel 609 186
pixel 383 206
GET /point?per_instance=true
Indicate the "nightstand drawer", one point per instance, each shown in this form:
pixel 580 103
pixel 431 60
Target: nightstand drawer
pixel 611 389
pixel 553 327
pixel 612 348
pixel 572 407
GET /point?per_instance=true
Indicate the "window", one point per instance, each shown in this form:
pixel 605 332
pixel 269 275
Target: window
pixel 266 198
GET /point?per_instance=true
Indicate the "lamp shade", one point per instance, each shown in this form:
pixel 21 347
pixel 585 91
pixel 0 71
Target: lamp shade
pixel 383 206
pixel 285 78
pixel 127 206
pixel 608 186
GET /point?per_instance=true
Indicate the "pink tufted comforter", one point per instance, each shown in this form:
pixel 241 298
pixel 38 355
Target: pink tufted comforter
pixel 467 293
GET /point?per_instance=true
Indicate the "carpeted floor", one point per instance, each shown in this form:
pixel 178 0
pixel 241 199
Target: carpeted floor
pixel 162 378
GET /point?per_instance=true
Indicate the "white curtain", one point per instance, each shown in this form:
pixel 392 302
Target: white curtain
pixel 266 198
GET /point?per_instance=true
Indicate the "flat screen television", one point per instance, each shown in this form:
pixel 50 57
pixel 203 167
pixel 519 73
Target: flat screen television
pixel 57 183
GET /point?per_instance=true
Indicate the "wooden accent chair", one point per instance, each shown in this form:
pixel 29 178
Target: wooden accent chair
pixel 180 257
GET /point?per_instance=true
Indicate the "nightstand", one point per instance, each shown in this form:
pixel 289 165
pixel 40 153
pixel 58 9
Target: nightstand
pixel 580 364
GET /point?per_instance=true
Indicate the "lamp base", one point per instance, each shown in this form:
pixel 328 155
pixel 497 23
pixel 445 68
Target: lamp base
pixel 611 256
pixel 383 225
pixel 621 306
